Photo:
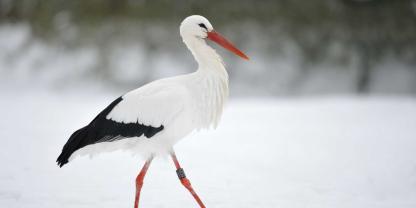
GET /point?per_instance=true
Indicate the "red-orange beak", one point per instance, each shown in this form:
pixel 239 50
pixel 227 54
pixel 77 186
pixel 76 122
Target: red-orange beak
pixel 216 37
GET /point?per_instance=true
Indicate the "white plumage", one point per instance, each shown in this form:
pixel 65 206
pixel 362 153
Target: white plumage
pixel 181 104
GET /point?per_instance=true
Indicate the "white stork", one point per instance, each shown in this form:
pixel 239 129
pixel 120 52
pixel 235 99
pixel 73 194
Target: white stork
pixel 150 120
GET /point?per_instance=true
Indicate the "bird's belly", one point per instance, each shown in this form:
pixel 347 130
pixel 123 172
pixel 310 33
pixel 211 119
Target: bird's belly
pixel 163 142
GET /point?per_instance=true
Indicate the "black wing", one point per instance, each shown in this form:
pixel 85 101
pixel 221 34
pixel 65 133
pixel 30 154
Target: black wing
pixel 102 129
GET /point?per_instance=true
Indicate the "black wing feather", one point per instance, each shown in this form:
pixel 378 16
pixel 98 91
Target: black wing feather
pixel 102 129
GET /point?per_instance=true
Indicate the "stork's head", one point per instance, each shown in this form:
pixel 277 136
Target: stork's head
pixel 195 25
pixel 199 27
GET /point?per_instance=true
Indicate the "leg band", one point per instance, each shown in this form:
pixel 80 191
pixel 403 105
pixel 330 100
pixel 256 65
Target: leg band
pixel 181 173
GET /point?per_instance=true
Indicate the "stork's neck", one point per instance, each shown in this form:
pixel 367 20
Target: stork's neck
pixel 207 57
pixel 209 83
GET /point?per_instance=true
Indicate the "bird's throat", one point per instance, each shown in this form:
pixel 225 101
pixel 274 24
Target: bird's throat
pixel 206 57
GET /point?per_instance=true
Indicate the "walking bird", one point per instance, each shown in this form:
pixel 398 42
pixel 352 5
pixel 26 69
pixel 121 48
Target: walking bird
pixel 151 119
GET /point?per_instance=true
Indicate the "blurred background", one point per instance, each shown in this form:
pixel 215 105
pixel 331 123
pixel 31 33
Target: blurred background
pixel 296 47
pixel 323 115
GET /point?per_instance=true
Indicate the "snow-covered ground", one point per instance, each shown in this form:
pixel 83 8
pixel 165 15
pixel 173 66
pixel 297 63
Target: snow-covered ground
pixel 311 152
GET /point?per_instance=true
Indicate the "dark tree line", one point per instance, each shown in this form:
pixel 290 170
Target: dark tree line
pixel 372 29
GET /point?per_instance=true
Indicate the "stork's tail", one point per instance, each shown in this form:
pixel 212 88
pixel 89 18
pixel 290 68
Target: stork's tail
pixel 73 144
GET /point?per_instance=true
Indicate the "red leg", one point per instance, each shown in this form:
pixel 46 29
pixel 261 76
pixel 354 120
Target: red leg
pixel 139 181
pixel 185 182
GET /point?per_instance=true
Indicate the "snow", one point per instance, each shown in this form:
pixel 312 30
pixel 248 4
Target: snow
pixel 310 152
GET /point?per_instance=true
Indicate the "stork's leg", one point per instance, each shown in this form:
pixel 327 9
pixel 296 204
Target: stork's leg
pixel 185 182
pixel 139 181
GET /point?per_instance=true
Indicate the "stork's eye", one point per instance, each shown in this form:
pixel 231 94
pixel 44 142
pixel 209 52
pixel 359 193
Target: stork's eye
pixel 203 26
